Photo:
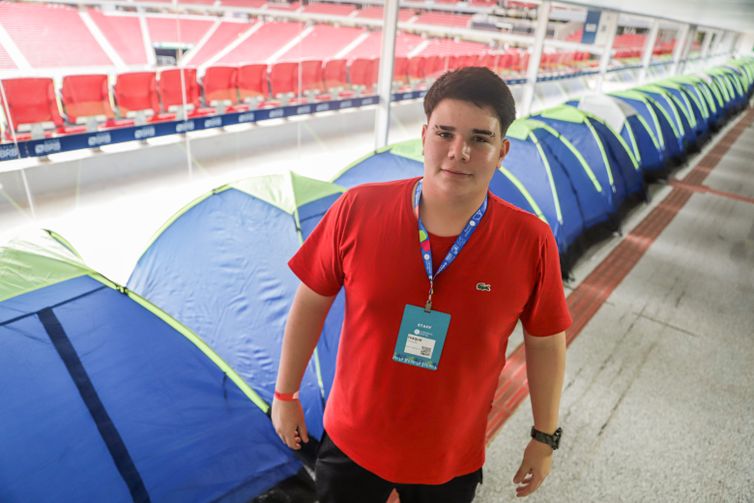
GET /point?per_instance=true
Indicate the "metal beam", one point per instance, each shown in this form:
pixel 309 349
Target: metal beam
pixel 543 13
pixel 385 82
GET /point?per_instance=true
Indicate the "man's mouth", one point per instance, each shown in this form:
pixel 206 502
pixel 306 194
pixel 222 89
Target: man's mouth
pixel 453 172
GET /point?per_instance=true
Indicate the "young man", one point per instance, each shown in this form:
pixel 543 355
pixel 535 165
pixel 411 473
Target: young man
pixel 437 271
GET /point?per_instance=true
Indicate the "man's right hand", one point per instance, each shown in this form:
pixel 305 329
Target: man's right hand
pixel 288 421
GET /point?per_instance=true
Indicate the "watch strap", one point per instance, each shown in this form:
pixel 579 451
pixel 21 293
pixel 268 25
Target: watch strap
pixel 552 440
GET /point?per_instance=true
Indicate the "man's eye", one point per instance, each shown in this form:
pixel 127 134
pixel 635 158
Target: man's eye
pixel 480 139
pixel 443 134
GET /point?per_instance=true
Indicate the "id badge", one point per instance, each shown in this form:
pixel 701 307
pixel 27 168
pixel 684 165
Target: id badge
pixel 421 337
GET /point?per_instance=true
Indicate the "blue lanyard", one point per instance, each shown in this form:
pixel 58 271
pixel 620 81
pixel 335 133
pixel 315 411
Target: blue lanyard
pixel 461 240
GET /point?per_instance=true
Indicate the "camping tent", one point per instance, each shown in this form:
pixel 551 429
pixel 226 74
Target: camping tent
pixel 695 108
pixel 220 266
pixel 701 89
pixel 632 127
pixel 605 151
pixel 679 114
pixel 658 120
pixel 107 398
pixel 559 179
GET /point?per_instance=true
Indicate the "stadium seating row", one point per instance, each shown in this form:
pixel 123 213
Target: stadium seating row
pixel 33 110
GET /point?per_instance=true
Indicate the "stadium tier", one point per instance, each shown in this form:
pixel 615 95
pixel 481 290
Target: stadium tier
pixel 176 30
pixel 51 36
pixel 123 33
pixel 221 37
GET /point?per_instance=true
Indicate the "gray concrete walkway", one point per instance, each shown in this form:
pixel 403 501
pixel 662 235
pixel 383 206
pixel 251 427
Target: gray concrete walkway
pixel 659 394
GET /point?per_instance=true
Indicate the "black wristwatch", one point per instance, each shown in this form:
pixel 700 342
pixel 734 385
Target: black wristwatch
pixel 551 440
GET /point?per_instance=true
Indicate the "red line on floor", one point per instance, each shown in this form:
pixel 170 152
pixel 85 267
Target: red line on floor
pixel 586 299
pixel 704 189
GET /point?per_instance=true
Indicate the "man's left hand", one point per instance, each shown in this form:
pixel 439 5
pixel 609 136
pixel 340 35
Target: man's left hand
pixel 534 468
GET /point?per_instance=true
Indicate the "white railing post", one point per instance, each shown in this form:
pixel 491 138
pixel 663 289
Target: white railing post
pixel 610 26
pixel 540 32
pixel 385 82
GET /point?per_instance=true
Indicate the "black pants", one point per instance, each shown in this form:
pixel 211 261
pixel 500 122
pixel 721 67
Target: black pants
pixel 340 480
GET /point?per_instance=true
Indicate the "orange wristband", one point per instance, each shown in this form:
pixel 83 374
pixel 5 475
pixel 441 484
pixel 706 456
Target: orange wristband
pixel 286 397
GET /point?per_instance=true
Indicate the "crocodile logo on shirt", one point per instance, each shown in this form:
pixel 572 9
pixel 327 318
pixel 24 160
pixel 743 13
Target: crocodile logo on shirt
pixel 483 287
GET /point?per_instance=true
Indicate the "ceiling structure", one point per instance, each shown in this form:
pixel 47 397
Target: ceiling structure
pixel 735 15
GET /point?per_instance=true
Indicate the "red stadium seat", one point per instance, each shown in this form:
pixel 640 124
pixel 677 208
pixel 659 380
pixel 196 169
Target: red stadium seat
pixel 88 97
pixel 336 79
pixel 31 103
pixel 400 73
pixel 177 85
pixel 434 67
pixel 417 68
pixel 312 80
pixel 253 86
pixel 136 93
pixel 488 60
pixel 363 74
pixel 284 84
pixel 455 61
pixel 221 89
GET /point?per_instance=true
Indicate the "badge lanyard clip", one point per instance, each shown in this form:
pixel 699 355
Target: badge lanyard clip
pixel 428 305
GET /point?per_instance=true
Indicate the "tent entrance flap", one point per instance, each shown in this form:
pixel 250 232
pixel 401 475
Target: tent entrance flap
pixel 105 426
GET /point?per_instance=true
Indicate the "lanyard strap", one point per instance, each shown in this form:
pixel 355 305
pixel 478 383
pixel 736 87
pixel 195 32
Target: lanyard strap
pixel 461 240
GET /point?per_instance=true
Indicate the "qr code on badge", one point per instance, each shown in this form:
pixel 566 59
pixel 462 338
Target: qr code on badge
pixel 419 346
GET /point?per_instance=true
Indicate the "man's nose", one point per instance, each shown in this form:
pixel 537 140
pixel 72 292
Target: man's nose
pixel 460 149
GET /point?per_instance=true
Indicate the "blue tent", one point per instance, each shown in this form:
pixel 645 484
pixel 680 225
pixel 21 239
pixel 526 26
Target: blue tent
pixel 220 266
pixel 678 113
pixel 699 88
pixel 695 109
pixel 729 81
pixel 632 127
pixel 605 151
pixel 658 120
pixel 559 179
pixel 106 398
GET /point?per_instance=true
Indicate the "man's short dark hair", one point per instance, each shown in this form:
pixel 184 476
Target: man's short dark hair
pixel 475 84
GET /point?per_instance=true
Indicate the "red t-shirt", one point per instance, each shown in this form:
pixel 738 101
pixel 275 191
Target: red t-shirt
pixel 404 423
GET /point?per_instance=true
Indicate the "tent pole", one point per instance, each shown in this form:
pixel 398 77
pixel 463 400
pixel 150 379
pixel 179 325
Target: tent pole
pixel 385 82
pixel 540 32
pixel 649 45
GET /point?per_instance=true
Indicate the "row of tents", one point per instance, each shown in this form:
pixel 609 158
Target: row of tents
pixel 108 397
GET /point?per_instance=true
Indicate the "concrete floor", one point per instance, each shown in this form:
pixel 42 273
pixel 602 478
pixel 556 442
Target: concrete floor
pixel 658 402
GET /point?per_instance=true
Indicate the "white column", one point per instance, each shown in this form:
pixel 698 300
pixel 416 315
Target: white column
pixel 704 53
pixel 610 27
pixel 690 37
pixel 540 32
pixel 385 82
pixel 649 45
pixel 680 45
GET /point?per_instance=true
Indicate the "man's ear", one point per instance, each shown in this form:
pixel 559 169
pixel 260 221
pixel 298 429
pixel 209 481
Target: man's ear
pixel 504 148
pixel 424 133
